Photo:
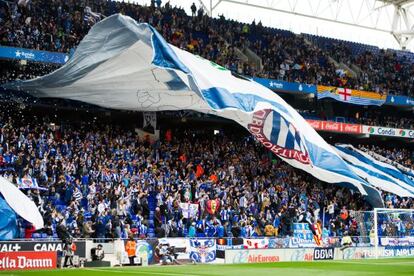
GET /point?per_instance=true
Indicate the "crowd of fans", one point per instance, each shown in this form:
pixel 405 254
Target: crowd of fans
pixel 384 117
pixel 60 25
pixel 101 180
pixel 290 58
pixel 13 70
pixel 378 69
pixel 384 71
pixel 43 25
pixel 377 119
pixel 402 156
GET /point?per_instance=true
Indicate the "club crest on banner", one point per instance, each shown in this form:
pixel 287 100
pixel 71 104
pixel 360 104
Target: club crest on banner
pixel 278 135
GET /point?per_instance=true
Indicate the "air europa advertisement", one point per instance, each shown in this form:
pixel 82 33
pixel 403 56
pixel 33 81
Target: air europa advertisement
pixel 236 256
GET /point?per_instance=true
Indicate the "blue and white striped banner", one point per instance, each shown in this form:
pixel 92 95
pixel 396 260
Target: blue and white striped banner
pixel 379 174
pixel 125 65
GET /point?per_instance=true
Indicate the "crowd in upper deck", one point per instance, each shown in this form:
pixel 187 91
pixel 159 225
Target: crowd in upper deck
pixel 60 25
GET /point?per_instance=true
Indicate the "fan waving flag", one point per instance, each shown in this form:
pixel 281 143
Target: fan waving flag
pixel 20 203
pixel 28 182
pixel 125 65
pixel 377 173
pixel 212 206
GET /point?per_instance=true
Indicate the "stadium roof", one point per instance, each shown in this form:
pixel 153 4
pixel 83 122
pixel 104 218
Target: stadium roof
pixel 392 17
pixel 386 23
pixel 397 2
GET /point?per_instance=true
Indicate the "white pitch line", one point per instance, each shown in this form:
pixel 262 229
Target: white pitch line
pixel 373 263
pixel 141 272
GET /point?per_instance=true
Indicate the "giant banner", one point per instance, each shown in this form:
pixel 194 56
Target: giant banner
pixel 378 173
pixel 148 74
pixel 350 96
pixel 21 204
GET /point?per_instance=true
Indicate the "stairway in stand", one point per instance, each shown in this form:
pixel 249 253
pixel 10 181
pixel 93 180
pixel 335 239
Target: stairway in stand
pixel 152 204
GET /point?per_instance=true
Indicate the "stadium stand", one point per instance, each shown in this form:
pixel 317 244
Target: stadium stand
pixel 100 178
pixel 303 58
pixel 381 70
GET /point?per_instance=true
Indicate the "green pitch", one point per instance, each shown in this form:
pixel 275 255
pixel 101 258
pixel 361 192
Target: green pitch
pixel 386 267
